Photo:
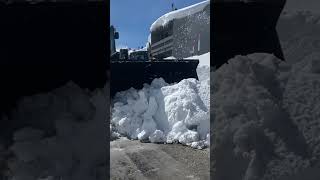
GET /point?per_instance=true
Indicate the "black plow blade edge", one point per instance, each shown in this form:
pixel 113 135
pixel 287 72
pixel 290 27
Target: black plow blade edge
pixel 127 74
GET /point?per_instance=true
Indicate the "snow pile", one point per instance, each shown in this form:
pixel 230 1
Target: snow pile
pixel 72 149
pixel 299 32
pixel 163 113
pixel 166 113
pixel 177 14
pixel 265 115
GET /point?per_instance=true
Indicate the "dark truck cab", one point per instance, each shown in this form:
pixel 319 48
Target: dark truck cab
pixel 241 28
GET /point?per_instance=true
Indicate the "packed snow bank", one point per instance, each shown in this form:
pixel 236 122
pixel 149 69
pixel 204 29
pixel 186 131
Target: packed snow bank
pixel 265 114
pixel 74 147
pixel 166 113
pixel 187 11
pixel 163 113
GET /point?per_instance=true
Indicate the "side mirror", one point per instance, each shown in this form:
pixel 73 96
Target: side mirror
pixel 116 35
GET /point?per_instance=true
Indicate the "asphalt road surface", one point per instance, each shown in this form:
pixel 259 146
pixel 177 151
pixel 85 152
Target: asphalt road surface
pixel 133 160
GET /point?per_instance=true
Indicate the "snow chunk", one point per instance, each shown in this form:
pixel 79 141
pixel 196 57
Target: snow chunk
pixel 157 137
pixel 189 137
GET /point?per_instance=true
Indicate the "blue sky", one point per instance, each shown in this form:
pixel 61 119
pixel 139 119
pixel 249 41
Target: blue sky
pixel 133 18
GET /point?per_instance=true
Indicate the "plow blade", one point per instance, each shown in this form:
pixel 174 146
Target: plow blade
pixel 127 74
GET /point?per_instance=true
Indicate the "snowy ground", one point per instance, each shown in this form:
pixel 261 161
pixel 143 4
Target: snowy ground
pixel 166 113
pixel 265 112
pixel 143 161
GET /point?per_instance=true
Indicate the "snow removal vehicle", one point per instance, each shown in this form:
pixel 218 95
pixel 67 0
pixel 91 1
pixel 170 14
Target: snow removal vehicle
pixel 140 68
pixel 244 27
pixel 180 33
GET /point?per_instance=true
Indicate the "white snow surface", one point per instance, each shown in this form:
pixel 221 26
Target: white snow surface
pixel 259 104
pixel 187 11
pixel 163 112
pixel 170 57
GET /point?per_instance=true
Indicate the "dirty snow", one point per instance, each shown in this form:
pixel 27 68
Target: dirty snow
pixel 166 113
pixel 177 14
